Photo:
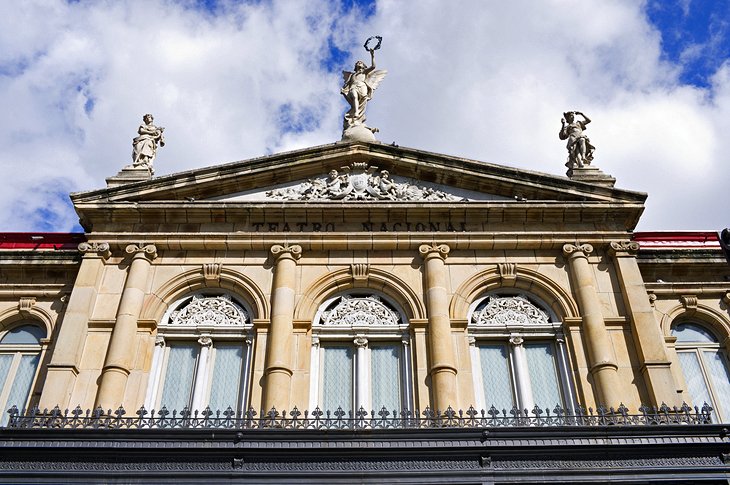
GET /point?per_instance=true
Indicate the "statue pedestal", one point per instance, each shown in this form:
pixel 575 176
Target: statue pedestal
pixel 591 175
pixel 128 175
pixel 358 133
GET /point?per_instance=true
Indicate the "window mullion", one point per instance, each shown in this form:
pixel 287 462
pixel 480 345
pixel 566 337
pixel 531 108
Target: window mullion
pixel 153 388
pixel 476 371
pixel 405 374
pixel 200 386
pixel 564 373
pixel 362 381
pixel 522 375
pixel 316 386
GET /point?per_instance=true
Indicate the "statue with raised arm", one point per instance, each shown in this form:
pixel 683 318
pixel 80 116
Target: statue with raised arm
pixel 580 150
pixel 144 146
pixel 358 89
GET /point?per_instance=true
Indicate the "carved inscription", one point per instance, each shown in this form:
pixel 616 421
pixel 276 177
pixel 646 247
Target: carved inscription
pixel 367 226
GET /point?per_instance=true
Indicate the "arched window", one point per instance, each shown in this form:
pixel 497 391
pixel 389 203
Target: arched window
pixel 202 355
pixel 518 355
pixel 20 352
pixel 705 368
pixel 360 355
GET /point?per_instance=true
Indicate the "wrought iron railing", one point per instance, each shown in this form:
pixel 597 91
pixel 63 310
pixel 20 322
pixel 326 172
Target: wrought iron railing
pixel 361 419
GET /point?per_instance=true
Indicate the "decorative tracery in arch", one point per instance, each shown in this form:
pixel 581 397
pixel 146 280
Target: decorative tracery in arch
pixel 360 311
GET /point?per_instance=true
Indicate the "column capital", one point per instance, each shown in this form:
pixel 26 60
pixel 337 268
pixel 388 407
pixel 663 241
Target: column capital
pixel 623 248
pixel 205 341
pixel 148 251
pixel 100 249
pixel 292 251
pixel 428 251
pixel 577 249
pixel 360 342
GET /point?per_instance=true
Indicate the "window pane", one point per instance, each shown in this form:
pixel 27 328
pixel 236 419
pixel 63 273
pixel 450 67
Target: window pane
pixel 688 332
pixel 496 376
pixel 226 377
pixel 5 361
pixel 179 376
pixel 25 334
pixel 696 385
pixel 337 378
pixel 720 380
pixel 386 377
pixel 543 375
pixel 21 384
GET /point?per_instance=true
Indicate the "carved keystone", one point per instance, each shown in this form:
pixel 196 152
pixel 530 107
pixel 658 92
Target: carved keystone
pixel 212 271
pixel 25 304
pixel 508 272
pixel 101 249
pixel 360 271
pixel 689 302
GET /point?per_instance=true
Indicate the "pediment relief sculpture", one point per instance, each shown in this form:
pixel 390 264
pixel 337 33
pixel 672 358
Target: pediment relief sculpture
pixel 353 311
pixel 209 311
pixel 509 311
pixel 360 181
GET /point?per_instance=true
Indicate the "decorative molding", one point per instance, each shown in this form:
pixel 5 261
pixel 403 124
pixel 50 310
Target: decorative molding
pixel 360 271
pixel 293 251
pixel 159 341
pixel 726 298
pixel 217 310
pixel 360 181
pixel 212 271
pixel 100 248
pixel 430 250
pixel 623 248
pixel 356 311
pixel 508 272
pixel 652 299
pixel 689 302
pixel 149 250
pixel 574 249
pixel 509 311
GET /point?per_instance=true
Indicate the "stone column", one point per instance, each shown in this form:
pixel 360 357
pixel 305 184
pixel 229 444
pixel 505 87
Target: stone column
pixel 601 360
pixel 441 347
pixel 121 353
pixel 63 368
pixel 646 331
pixel 280 346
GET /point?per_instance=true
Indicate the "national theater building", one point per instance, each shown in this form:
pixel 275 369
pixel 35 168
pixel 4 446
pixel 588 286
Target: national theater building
pixel 362 312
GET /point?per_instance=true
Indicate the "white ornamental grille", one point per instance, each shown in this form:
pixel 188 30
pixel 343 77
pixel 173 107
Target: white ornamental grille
pixel 509 311
pixel 210 311
pixel 360 311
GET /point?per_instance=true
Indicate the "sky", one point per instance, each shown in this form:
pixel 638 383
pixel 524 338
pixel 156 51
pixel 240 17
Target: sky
pixel 480 79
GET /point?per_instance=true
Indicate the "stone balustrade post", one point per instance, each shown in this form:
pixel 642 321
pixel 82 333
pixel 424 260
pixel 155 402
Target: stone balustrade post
pixel 120 355
pixel 601 359
pixel 63 368
pixel 441 348
pixel 646 331
pixel 280 346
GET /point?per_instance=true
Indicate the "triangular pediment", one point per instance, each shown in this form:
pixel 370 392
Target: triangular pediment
pixel 412 176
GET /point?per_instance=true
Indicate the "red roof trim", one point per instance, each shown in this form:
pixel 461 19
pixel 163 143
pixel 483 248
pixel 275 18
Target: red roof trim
pixel 41 240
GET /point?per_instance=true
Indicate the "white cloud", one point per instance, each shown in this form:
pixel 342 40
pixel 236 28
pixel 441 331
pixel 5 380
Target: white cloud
pixel 483 80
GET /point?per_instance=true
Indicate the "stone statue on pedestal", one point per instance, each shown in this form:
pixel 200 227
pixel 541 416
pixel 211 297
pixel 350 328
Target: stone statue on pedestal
pixel 580 150
pixel 144 147
pixel 358 89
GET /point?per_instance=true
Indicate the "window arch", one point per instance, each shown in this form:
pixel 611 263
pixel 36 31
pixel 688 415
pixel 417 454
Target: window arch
pixel 360 355
pixel 202 355
pixel 518 354
pixel 20 353
pixel 705 367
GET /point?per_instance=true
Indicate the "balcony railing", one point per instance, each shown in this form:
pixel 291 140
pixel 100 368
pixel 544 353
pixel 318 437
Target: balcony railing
pixel 317 419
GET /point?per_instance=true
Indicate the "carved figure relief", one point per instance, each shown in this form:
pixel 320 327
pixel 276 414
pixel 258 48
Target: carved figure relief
pixel 360 311
pixel 210 311
pixel 509 311
pixel 360 181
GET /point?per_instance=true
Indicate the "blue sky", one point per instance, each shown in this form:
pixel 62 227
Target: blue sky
pixel 484 80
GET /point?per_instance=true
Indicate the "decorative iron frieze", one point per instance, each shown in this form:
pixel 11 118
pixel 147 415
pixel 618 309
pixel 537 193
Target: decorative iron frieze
pixel 210 311
pixel 360 311
pixel 509 311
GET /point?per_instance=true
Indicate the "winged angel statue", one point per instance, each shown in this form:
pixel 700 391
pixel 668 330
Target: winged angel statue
pixel 358 89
